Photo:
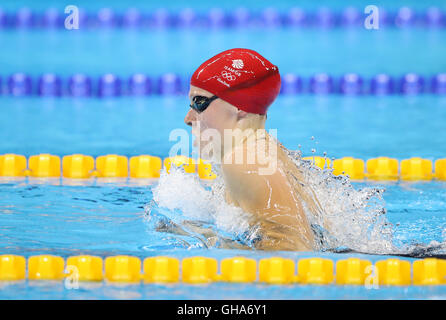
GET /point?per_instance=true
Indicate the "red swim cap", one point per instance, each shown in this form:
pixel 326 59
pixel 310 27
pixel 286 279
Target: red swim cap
pixel 241 77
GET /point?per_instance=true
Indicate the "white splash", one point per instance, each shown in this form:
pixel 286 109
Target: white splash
pixel 354 218
pixel 178 190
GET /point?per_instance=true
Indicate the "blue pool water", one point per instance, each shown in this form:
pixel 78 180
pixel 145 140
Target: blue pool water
pixel 65 217
pixel 302 51
pixel 362 127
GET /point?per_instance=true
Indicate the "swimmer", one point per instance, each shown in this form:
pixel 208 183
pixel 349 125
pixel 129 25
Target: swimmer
pixel 230 94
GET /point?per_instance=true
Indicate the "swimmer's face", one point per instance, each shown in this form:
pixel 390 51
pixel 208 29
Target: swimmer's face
pixel 219 115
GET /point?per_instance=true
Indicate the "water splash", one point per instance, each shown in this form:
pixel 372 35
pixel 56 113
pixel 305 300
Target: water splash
pixel 187 206
pixel 197 214
pixel 352 218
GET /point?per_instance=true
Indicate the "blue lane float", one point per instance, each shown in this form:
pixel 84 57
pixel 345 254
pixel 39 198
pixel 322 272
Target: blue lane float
pixel 434 18
pixel 19 84
pixel 438 83
pixel 161 18
pixel 411 83
pixel 351 17
pixel 405 17
pixel 187 18
pixel 291 84
pixel 24 18
pixel 49 85
pixel 84 19
pixel 351 84
pixel 79 85
pixel 106 18
pixel 321 83
pixel 217 18
pixel 52 19
pixel 324 18
pixel 139 85
pixel 3 19
pixel 296 17
pixel 241 17
pixel 382 84
pixel 132 18
pixel 109 85
pixel 169 84
pixel 185 84
pixel 271 18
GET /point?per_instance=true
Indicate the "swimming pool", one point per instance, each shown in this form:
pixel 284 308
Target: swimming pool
pixel 108 217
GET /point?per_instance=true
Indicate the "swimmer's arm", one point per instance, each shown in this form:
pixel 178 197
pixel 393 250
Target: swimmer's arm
pixel 269 198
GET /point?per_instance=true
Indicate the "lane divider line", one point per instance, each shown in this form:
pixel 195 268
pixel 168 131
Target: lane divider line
pixel 139 84
pixel 201 270
pixel 348 17
pixel 78 166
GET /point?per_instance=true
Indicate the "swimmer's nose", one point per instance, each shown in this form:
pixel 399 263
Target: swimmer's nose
pixel 190 116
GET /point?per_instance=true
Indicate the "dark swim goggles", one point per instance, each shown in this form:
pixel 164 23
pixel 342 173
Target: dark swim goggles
pixel 200 103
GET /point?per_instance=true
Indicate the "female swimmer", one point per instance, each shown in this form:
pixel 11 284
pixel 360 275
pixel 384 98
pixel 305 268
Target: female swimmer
pixel 230 94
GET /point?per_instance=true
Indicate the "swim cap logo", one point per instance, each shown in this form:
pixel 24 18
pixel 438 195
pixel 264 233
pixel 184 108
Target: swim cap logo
pixel 237 63
pixel 228 76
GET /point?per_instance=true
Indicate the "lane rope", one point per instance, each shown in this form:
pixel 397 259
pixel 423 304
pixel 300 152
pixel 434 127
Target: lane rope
pixel 78 166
